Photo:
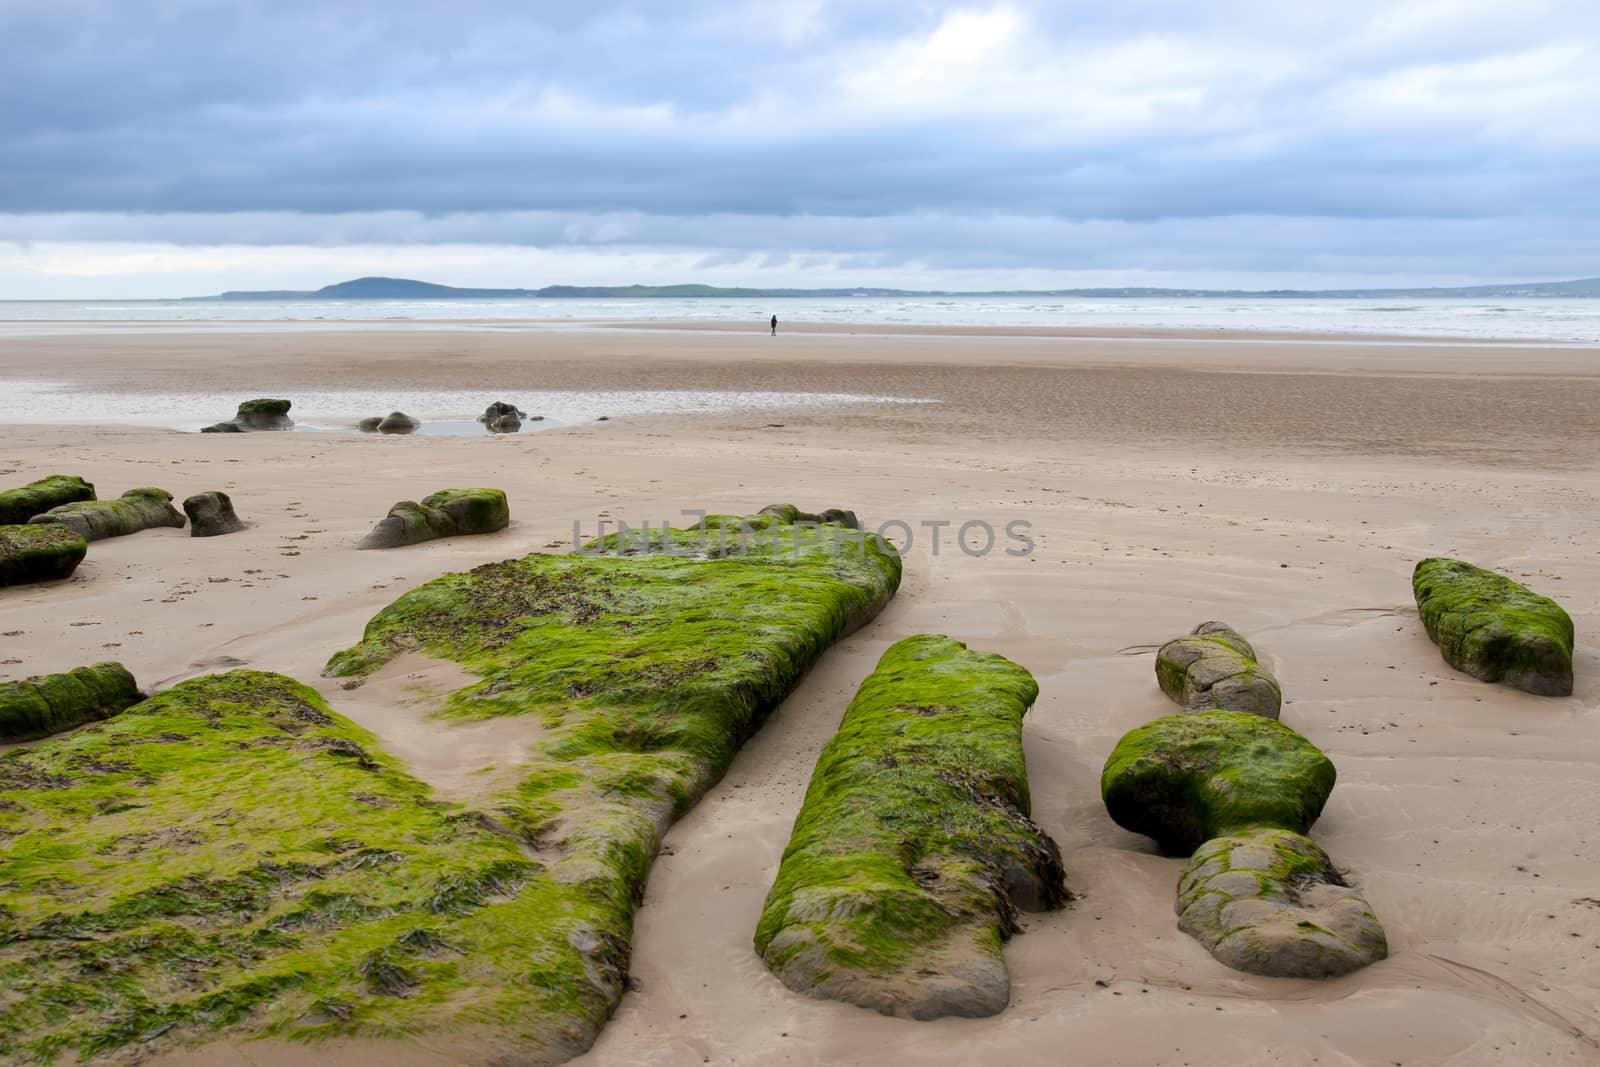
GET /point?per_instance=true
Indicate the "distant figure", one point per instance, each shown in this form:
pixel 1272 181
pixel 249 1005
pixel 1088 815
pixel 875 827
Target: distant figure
pixel 774 325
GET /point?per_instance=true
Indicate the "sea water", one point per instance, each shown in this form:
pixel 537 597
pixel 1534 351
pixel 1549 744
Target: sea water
pixel 1525 319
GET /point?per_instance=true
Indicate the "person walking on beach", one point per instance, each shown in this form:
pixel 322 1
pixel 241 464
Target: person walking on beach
pixel 774 325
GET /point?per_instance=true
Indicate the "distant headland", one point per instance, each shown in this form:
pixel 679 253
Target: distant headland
pixel 407 289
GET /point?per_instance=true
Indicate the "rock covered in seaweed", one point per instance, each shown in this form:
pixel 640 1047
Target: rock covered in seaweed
pixel 1214 668
pixel 790 513
pixel 914 847
pixel 447 513
pixel 642 675
pixel 264 414
pixel 1493 628
pixel 246 863
pixel 49 703
pixel 211 514
pixel 145 508
pixel 19 505
pixel 1269 901
pixel 39 553
pixel 1184 779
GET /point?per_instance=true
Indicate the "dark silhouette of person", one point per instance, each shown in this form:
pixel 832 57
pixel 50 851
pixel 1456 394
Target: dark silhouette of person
pixel 774 325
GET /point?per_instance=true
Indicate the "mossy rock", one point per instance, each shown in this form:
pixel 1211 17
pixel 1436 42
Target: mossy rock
pixel 265 413
pixel 642 672
pixel 1187 778
pixel 1270 902
pixel 1214 668
pixel 147 508
pixel 790 514
pixel 232 860
pixel 39 553
pixel 914 848
pixel 211 515
pixel 1494 629
pixel 447 513
pixel 49 703
pixel 19 505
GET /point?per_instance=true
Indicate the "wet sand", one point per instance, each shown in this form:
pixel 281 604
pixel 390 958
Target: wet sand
pixel 1285 487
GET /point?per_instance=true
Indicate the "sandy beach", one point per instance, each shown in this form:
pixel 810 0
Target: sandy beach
pixel 1284 485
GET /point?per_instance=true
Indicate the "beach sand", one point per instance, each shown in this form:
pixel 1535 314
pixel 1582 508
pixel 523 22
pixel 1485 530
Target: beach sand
pixel 1284 486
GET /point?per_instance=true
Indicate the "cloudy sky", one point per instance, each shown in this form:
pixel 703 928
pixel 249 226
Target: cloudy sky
pixel 163 147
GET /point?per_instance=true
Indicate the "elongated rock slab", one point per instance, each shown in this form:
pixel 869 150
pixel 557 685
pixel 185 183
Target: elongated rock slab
pixel 641 672
pixel 49 703
pixel 447 513
pixel 19 505
pixel 39 553
pixel 914 848
pixel 1493 628
pixel 231 860
pixel 147 508
pixel 1214 668
pixel 1239 791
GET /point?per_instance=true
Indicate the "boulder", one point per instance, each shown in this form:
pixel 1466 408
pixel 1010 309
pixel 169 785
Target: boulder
pixel 1269 901
pixel 19 505
pixel 1493 628
pixel 137 509
pixel 49 703
pixel 914 849
pixel 398 422
pixel 211 514
pixel 447 513
pixel 790 514
pixel 1215 669
pixel 499 410
pixel 39 553
pixel 1187 778
pixel 264 414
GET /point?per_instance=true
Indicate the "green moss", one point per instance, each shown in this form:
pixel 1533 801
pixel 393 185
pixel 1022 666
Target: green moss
pixel 232 858
pixel 17 506
pixel 914 831
pixel 1494 629
pixel 39 553
pixel 47 704
pixel 1187 778
pixel 138 509
pixel 645 670
pixel 447 513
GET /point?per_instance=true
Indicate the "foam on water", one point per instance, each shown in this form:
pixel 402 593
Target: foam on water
pixel 340 409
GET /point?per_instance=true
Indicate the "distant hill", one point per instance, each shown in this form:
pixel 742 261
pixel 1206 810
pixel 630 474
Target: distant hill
pixel 407 289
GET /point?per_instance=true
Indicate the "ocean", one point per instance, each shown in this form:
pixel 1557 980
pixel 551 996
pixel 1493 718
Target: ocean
pixel 1527 320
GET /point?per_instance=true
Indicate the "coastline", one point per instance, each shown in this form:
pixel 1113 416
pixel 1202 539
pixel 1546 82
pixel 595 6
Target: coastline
pixel 1286 488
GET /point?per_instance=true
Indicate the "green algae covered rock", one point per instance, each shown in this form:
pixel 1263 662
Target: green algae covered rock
pixel 447 513
pixel 1187 778
pixel 914 847
pixel 1270 902
pixel 640 672
pixel 17 506
pixel 49 703
pixel 1494 629
pixel 1214 668
pixel 146 508
pixel 41 553
pixel 265 413
pixel 231 860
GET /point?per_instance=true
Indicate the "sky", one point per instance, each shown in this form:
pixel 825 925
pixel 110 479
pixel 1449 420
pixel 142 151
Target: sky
pixel 153 148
